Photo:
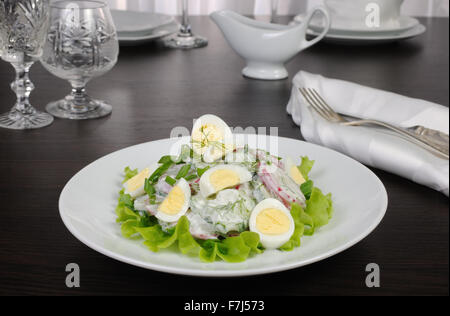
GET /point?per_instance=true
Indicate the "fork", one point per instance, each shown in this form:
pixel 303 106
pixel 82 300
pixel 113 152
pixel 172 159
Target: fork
pixel 324 110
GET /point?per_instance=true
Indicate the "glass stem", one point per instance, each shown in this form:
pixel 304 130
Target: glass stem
pixel 185 28
pixel 78 100
pixel 78 95
pixel 274 10
pixel 23 86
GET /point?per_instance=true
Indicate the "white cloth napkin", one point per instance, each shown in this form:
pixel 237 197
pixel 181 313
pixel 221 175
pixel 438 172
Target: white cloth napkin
pixel 375 147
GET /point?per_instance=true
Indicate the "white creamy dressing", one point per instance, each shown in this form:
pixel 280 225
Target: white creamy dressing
pixel 228 212
pixel 141 203
pixel 199 228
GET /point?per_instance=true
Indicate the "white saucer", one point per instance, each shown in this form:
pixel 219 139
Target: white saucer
pixel 135 28
pixel 404 23
pixel 138 22
pixel 130 39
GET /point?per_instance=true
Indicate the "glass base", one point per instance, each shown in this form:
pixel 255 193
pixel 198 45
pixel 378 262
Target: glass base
pixel 92 109
pixel 19 121
pixel 185 41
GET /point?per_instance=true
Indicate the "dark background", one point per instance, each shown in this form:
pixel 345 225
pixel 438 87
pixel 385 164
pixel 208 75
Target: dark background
pixel 153 89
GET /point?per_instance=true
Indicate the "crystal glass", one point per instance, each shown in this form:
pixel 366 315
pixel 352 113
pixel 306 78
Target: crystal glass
pixel 81 44
pixel 23 25
pixel 185 39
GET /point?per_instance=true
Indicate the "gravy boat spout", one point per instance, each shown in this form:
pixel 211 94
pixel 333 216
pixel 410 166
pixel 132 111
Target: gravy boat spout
pixel 266 47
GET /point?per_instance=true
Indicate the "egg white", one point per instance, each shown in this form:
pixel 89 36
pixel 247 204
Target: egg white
pixel 186 189
pixel 224 137
pixel 271 241
pixel 207 188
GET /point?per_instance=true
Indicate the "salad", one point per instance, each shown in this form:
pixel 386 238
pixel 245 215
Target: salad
pixel 220 201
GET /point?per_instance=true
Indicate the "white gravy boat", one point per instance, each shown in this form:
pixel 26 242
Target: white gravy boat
pixel 266 47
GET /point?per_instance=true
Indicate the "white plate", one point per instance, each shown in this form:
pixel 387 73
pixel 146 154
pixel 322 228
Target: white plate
pixel 404 23
pixel 130 39
pixel 367 38
pixel 138 22
pixel 372 38
pixel 88 200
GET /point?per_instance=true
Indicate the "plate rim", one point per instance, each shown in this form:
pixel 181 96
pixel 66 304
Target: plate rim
pixel 371 40
pixel 170 19
pixel 415 31
pixel 144 38
pixel 223 273
pixel 369 37
pixel 382 31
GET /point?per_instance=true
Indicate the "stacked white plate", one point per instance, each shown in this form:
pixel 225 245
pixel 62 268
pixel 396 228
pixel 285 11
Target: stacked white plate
pixel 404 28
pixel 134 28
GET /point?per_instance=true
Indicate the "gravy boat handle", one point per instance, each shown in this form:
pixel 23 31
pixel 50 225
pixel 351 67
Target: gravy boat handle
pixel 326 15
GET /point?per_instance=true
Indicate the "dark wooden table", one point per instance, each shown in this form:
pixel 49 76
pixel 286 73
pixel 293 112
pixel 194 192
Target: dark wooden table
pixel 154 89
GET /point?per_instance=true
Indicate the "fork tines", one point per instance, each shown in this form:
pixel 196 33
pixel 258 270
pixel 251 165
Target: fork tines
pixel 319 105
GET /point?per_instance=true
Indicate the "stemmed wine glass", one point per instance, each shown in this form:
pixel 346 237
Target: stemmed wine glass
pixel 274 11
pixel 23 25
pixel 81 44
pixel 184 38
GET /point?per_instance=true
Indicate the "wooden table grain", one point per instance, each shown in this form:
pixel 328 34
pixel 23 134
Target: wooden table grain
pixel 154 89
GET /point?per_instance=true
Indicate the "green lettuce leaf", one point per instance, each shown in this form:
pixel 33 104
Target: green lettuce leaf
pixel 129 174
pixel 208 252
pixel 124 213
pixel 128 228
pixel 125 199
pixel 130 220
pixel 125 207
pixel 186 243
pixel 295 239
pixel 129 217
pixel 305 167
pixel 231 249
pixel 307 188
pixel 156 239
pixel 308 223
pixel 297 214
pixel 319 207
pixel 304 225
pixel 252 240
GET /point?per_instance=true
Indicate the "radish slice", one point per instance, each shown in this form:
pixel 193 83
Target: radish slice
pixel 264 156
pixel 278 182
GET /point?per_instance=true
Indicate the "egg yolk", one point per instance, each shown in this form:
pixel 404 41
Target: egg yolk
pixel 272 221
pixel 224 178
pixel 206 134
pixel 174 202
pixel 296 175
pixel 138 180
